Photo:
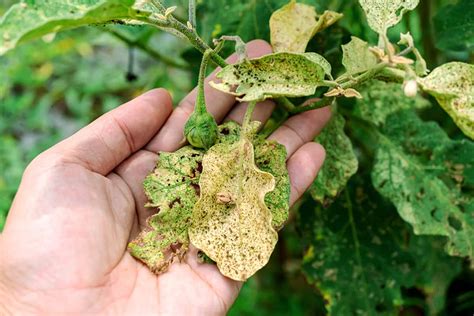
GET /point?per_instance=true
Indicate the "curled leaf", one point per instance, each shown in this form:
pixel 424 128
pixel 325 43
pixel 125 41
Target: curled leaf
pixel 236 233
pixel 274 75
pixel 293 26
pixel 452 85
pixel 382 14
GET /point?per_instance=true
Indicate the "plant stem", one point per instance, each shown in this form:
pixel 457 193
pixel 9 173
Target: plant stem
pixel 192 13
pixel 369 74
pixel 313 106
pixel 200 106
pixel 286 104
pixel 248 116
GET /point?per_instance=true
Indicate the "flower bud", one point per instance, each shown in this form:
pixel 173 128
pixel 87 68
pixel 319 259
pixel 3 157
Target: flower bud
pixel 410 88
pixel 201 130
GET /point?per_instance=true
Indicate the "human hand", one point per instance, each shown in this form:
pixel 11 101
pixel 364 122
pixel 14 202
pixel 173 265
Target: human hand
pixel 63 249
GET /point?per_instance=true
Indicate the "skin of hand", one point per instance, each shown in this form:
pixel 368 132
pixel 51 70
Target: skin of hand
pixel 63 248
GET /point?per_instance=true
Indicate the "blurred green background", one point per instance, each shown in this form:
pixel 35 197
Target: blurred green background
pixel 51 87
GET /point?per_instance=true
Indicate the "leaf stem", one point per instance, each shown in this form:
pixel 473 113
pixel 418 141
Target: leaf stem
pixel 248 117
pixel 200 106
pixel 192 13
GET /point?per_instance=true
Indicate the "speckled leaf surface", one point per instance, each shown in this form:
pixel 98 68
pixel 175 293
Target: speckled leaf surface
pixel 382 14
pixel 452 85
pixel 340 164
pixel 429 178
pixel 356 56
pixel 33 19
pixel 293 26
pixel 231 223
pixel 380 99
pixel 270 156
pixel 279 74
pixel 362 257
pixel 172 188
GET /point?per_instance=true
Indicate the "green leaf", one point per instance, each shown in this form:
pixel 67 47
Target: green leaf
pixel 382 14
pixel 429 178
pixel 380 99
pixel 452 85
pixel 274 75
pixel 454 26
pixel 231 223
pixel 356 56
pixel 173 190
pixel 361 256
pixel 33 19
pixel 340 164
pixel 293 26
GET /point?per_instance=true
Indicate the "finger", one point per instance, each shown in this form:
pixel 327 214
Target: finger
pixel 262 112
pixel 218 103
pixel 310 156
pixel 113 137
pixel 301 128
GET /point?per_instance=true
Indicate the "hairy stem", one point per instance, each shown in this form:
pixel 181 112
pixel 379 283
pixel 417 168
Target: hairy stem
pixel 200 106
pixel 192 13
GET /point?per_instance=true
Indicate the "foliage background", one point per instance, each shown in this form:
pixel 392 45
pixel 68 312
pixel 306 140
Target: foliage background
pixel 50 88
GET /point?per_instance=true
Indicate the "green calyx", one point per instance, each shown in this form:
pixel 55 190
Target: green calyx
pixel 201 130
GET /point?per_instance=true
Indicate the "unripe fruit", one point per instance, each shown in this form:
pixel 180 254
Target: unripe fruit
pixel 201 130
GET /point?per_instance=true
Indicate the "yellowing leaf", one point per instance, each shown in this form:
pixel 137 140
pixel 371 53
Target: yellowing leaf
pixel 274 75
pixel 293 26
pixel 382 14
pixel 231 223
pixel 452 84
pixel 357 57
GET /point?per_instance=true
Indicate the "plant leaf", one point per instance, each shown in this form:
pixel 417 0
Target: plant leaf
pixel 382 14
pixel 321 61
pixel 293 26
pixel 173 189
pixel 356 56
pixel 452 84
pixel 340 164
pixel 28 20
pixel 231 223
pixel 274 75
pixel 361 256
pixel 380 99
pixel 429 178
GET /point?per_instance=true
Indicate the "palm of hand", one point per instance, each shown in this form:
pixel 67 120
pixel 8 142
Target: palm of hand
pixel 81 202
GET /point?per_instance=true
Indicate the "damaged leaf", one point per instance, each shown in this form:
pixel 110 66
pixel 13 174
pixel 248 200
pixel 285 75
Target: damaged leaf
pixel 452 85
pixel 173 189
pixel 357 57
pixel 340 164
pixel 33 19
pixel 274 75
pixel 382 14
pixel 429 178
pixel 231 223
pixel 293 26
